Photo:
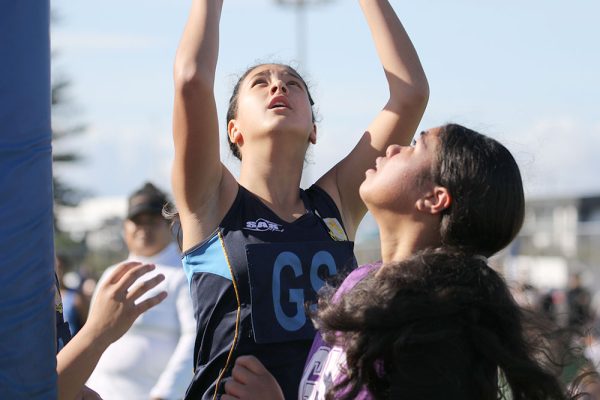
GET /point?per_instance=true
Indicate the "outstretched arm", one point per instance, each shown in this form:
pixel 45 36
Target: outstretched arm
pixel 197 174
pixel 398 120
pixel 112 314
pixel 251 380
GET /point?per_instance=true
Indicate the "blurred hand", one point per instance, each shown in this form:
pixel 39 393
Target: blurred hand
pixel 114 308
pixel 251 380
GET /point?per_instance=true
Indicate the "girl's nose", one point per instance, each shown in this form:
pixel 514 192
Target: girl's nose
pixel 392 149
pixel 278 85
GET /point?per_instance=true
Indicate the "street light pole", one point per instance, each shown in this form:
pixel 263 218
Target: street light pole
pixel 301 30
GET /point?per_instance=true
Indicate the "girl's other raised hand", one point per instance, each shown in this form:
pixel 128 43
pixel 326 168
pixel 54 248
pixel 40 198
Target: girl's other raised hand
pixel 251 380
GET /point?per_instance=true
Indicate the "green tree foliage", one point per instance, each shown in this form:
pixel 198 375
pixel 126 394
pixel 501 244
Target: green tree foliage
pixel 65 125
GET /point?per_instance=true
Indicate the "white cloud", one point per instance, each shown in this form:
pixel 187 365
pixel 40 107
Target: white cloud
pixel 91 213
pixel 120 155
pixel 559 156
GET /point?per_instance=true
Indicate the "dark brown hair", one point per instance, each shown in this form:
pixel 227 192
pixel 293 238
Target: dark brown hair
pixel 441 324
pixel 485 184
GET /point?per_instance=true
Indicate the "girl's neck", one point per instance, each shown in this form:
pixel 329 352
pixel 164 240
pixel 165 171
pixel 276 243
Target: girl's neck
pixel 276 183
pixel 403 236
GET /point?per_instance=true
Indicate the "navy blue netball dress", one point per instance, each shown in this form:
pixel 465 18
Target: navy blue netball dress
pixel 250 283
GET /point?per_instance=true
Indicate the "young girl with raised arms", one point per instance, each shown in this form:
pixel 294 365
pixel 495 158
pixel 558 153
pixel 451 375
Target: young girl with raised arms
pixel 258 247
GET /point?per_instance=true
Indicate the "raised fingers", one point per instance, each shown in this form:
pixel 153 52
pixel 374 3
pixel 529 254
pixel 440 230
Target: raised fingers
pixel 121 270
pixel 143 287
pixel 147 304
pixel 132 275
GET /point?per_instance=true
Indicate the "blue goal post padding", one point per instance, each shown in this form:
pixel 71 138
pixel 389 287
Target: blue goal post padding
pixel 27 320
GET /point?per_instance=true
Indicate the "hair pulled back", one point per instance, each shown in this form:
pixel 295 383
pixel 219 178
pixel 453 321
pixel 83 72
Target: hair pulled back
pixel 483 178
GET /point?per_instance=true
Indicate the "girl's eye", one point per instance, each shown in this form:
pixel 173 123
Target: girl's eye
pixel 413 143
pixel 295 83
pixel 259 82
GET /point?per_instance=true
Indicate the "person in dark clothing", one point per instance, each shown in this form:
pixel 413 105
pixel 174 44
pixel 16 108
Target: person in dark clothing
pixel 578 303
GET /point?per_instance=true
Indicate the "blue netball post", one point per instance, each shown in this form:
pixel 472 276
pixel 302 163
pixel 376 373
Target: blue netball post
pixel 27 347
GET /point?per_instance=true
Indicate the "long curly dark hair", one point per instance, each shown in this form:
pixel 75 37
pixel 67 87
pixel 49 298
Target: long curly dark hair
pixel 439 325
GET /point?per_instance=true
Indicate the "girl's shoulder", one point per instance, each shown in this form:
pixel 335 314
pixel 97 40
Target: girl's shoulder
pixel 356 276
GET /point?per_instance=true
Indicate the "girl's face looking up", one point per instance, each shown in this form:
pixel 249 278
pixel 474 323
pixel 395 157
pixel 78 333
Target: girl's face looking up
pixel 403 176
pixel 272 99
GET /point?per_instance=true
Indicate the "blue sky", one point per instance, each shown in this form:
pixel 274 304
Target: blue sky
pixel 524 72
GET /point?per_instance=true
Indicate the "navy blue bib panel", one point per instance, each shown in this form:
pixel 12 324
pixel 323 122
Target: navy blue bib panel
pixel 250 283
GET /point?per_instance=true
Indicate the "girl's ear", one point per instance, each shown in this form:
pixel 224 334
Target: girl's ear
pixel 235 135
pixel 435 201
pixel 313 135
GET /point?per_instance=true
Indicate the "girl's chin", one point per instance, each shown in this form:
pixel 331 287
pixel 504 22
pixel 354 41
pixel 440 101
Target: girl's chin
pixel 364 191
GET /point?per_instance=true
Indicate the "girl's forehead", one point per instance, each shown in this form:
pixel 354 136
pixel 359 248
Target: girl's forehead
pixel 272 69
pixel 432 132
pixel 429 136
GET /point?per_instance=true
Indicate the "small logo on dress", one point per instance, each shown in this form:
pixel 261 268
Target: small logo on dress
pixel 335 229
pixel 262 225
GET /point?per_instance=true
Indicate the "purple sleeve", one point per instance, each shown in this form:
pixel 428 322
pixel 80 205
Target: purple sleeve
pixel 351 280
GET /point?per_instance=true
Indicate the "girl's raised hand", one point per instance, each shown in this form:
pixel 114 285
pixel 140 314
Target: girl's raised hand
pixel 114 309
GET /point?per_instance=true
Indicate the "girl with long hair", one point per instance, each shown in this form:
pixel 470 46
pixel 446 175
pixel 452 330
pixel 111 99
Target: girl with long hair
pixel 256 248
pixel 440 324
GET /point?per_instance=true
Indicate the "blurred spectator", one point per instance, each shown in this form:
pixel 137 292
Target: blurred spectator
pixel 578 303
pixel 75 304
pixel 154 358
pixel 547 304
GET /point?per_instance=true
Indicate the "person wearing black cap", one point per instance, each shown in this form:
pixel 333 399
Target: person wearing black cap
pixel 146 231
pixel 154 358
